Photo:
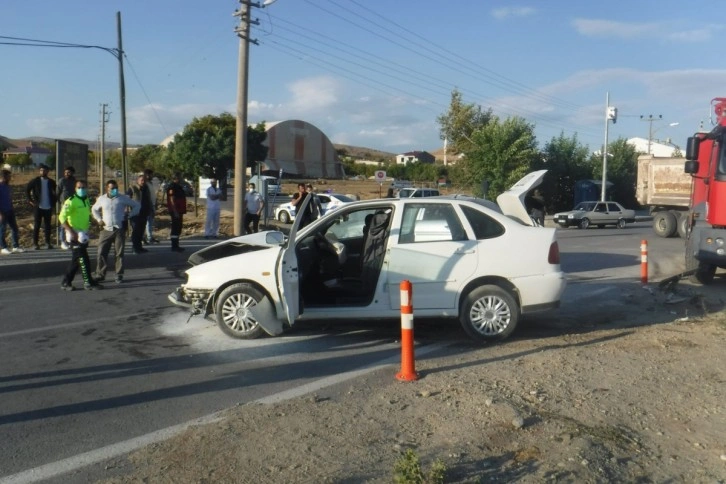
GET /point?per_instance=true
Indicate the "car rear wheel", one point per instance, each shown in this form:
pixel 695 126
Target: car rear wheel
pixel 621 223
pixel 584 223
pixel 283 217
pixel 489 313
pixel 233 311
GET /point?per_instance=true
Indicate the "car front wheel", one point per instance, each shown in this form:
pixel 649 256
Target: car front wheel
pixel 584 223
pixel 621 223
pixel 233 311
pixel 284 217
pixel 489 313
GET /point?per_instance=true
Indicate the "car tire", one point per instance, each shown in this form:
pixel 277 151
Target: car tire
pixel 621 223
pixel 489 313
pixel 283 217
pixel 664 224
pixel 584 223
pixel 231 311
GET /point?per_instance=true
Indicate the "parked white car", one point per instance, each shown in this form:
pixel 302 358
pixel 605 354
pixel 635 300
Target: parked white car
pixel 285 213
pixel 465 258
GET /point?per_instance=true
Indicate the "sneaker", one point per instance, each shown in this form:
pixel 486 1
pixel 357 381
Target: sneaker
pixel 65 246
pixel 49 247
pixel 98 277
pixel 92 287
pixel 5 252
pixel 18 250
pixel 155 241
pixel 67 287
pixel 37 247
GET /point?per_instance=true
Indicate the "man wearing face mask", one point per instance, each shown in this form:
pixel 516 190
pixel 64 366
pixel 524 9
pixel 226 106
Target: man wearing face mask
pixel 41 192
pixel 75 218
pixel 110 210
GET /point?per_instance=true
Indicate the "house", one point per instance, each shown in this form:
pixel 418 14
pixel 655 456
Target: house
pixel 415 157
pixel 37 153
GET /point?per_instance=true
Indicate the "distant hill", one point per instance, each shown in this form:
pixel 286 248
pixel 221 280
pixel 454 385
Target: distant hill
pixel 14 143
pixel 360 153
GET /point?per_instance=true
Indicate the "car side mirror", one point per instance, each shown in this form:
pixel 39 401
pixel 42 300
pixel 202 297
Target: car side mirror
pixel 274 238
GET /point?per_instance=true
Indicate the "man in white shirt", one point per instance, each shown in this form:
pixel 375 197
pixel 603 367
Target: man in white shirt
pixel 254 204
pixel 211 224
pixel 111 210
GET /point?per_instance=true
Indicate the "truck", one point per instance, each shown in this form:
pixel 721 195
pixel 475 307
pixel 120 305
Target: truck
pixel 706 222
pixel 665 189
pixel 268 184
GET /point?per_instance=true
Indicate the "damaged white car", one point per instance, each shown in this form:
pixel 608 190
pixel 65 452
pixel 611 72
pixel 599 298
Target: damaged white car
pixel 467 259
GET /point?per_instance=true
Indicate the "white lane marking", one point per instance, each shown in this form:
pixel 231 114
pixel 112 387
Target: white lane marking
pixel 79 461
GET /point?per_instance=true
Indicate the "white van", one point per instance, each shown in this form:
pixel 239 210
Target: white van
pixel 268 183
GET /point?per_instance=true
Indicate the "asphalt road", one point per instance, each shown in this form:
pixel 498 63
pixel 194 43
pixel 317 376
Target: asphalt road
pixel 90 375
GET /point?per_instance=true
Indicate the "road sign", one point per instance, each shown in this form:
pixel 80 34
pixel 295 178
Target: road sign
pixel 380 176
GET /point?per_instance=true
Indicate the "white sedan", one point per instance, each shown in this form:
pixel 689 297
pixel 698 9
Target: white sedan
pixel 285 213
pixel 467 258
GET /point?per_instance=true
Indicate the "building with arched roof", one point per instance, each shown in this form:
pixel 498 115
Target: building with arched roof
pixel 300 149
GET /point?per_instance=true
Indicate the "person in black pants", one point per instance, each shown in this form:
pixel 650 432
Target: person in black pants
pixel 41 192
pixel 140 193
pixel 176 202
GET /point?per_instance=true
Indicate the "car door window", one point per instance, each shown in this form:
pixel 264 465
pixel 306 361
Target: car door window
pixel 430 223
pixel 600 207
pixel 612 207
pixel 349 224
pixel 324 198
pixel 484 226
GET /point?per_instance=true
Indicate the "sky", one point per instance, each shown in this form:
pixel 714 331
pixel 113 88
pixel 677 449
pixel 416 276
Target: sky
pixel 369 73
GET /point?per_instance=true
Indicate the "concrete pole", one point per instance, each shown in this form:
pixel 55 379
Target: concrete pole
pixel 102 179
pixel 122 95
pixel 240 146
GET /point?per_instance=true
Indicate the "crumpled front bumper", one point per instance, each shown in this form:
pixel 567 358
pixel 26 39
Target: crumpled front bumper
pixel 193 299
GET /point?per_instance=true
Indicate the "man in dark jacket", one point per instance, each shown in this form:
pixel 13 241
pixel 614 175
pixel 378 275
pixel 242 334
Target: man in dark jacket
pixel 140 193
pixel 41 192
pixel 176 202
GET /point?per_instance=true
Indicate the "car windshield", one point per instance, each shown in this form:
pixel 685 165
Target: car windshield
pixel 586 206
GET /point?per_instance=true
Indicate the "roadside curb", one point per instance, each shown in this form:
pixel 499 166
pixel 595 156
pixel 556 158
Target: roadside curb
pixel 45 264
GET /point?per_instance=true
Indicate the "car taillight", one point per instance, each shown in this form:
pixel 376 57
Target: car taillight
pixel 554 256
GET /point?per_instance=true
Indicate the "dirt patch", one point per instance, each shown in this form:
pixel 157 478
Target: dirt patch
pixel 636 398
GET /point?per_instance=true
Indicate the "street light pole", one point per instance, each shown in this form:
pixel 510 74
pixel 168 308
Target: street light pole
pixel 611 114
pixel 650 120
pixel 122 95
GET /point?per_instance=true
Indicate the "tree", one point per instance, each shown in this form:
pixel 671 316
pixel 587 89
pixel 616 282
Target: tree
pixel 566 162
pixel 501 153
pixel 146 156
pixel 206 147
pixel 19 160
pixel 460 122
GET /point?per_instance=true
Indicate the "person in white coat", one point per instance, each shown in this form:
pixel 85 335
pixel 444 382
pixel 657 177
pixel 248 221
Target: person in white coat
pixel 211 224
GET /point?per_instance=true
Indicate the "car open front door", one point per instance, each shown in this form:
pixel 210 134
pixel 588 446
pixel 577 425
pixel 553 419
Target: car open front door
pixel 288 275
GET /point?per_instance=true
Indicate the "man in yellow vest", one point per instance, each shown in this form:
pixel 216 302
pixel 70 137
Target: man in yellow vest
pixel 75 217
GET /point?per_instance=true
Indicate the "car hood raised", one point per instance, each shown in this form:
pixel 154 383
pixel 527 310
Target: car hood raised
pixel 512 201
pixel 237 245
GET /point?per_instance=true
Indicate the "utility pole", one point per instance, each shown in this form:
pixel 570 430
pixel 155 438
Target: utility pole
pixel 240 145
pixel 650 118
pixel 122 95
pixel 104 120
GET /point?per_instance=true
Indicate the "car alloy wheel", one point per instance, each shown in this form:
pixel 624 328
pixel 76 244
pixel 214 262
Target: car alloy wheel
pixel 489 313
pixel 584 223
pixel 621 223
pixel 284 217
pixel 233 311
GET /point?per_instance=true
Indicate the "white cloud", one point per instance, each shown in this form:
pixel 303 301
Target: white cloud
pixel 609 28
pixel 505 12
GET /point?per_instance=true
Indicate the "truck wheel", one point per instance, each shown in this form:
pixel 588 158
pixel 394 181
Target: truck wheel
pixel 704 272
pixel 683 226
pixel 664 224
pixel 584 223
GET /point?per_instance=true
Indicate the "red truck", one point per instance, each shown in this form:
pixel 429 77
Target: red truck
pixel 706 226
